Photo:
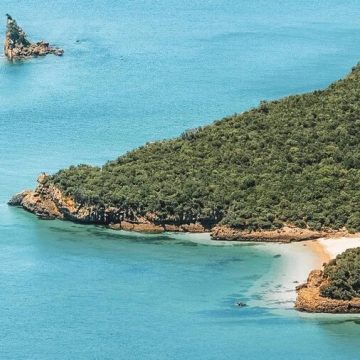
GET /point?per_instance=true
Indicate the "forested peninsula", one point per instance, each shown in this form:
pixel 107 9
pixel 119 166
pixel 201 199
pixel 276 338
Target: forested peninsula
pixel 286 170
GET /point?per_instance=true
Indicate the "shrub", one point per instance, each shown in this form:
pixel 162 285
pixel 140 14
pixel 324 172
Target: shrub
pixel 343 274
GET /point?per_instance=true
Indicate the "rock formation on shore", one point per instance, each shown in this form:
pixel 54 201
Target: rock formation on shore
pixel 334 289
pixel 17 46
pixel 286 234
pixel 48 202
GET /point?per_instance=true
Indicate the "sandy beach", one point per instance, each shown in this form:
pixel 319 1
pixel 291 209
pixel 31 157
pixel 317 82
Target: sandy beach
pixel 331 247
pixel 328 248
pixel 296 261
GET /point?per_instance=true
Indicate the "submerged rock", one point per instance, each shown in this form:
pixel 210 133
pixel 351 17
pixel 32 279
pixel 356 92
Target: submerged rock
pixel 241 304
pixel 17 46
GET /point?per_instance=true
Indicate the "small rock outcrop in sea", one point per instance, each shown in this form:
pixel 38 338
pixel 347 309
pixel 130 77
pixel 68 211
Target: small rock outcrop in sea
pixel 309 297
pixel 17 46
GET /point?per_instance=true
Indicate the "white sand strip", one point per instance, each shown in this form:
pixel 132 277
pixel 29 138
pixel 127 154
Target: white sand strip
pixel 336 246
pixel 276 289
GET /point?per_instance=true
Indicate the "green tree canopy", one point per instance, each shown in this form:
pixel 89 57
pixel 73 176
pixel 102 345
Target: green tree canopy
pixel 295 160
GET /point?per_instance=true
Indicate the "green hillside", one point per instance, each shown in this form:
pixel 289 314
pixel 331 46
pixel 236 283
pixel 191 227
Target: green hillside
pixel 344 275
pixel 296 160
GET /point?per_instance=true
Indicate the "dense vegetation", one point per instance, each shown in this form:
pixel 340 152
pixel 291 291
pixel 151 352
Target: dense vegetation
pixel 344 275
pixel 296 160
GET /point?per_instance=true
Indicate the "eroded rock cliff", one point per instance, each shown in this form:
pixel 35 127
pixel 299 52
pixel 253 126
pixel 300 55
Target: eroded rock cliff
pixel 17 46
pixel 48 202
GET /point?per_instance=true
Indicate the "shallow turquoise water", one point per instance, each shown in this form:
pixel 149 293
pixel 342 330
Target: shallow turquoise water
pixel 141 71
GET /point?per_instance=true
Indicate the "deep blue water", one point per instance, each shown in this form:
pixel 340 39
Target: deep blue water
pixel 142 71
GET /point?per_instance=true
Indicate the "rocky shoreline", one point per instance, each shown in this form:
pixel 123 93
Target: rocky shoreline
pixel 17 46
pixel 310 300
pixel 286 234
pixel 47 202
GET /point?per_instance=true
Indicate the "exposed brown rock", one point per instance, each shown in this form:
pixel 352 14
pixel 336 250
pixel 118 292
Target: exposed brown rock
pixel 310 300
pixel 194 228
pixel 286 234
pixel 48 202
pixel 17 46
pixel 141 227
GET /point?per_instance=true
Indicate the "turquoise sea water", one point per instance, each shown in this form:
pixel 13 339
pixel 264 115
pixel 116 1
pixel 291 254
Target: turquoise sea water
pixel 142 71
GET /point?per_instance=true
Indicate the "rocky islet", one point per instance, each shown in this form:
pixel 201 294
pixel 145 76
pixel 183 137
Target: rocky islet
pixel 17 46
